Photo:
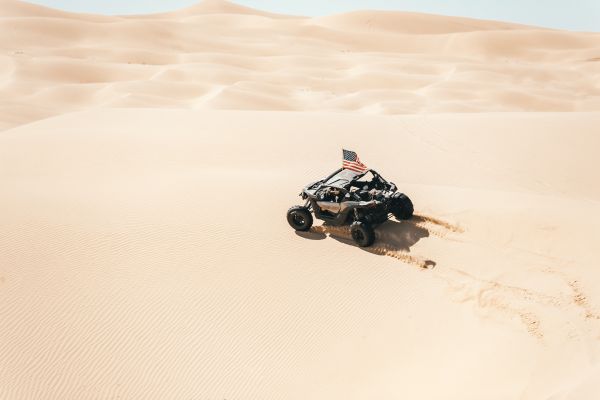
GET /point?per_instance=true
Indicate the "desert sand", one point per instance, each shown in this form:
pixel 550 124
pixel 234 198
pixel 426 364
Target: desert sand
pixel 147 163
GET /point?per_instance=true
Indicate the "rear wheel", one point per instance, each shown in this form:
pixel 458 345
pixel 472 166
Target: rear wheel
pixel 403 207
pixel 300 218
pixel 362 233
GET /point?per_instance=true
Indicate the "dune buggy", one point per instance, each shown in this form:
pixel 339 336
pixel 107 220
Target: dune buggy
pixel 362 200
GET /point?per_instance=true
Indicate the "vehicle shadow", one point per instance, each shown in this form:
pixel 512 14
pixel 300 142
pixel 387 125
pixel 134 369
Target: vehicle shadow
pixel 392 238
pixel 399 236
pixel 313 234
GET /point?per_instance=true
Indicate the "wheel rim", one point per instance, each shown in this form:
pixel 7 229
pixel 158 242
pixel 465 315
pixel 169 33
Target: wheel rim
pixel 358 236
pixel 298 219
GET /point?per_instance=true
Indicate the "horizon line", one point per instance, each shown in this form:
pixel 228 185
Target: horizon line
pixel 183 6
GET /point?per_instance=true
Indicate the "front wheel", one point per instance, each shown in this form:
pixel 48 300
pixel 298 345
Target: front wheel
pixel 362 233
pixel 299 218
pixel 403 208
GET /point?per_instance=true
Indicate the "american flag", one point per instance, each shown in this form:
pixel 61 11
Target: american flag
pixel 352 162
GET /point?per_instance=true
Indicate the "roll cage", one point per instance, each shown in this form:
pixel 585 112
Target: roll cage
pixel 345 179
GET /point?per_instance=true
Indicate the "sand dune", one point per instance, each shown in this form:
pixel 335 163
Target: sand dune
pixel 147 163
pixel 146 255
pixel 222 7
pixel 410 23
pixel 367 62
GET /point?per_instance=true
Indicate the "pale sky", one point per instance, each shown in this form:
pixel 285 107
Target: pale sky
pixel 579 15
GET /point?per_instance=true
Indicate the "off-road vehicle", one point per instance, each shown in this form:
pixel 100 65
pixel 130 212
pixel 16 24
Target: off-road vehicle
pixel 362 200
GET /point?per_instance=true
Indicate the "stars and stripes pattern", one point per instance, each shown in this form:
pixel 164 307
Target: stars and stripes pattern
pixel 351 161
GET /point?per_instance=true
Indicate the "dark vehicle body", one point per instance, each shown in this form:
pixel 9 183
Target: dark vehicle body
pixel 346 197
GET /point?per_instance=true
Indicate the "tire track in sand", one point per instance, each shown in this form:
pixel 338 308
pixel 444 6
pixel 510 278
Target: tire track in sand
pixel 385 246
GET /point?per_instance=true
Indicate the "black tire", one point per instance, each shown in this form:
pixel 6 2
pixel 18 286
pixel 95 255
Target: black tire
pixel 362 233
pixel 403 207
pixel 299 218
